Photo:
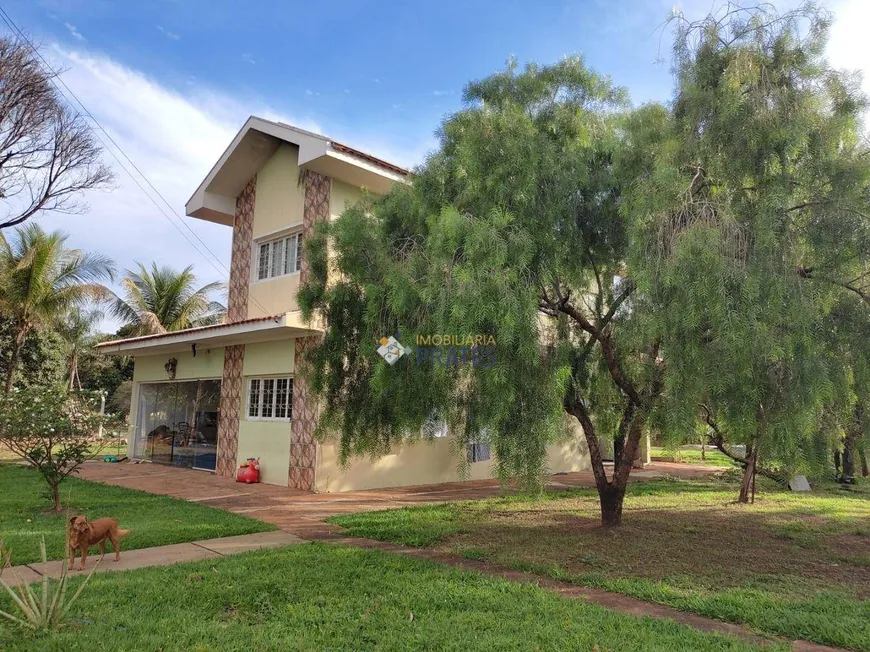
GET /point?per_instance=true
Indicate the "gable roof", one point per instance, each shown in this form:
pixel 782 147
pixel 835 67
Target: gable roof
pixel 215 198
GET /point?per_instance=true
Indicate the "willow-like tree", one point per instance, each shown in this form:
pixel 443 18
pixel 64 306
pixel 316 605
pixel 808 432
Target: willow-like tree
pixel 511 229
pixel 846 419
pixel 760 171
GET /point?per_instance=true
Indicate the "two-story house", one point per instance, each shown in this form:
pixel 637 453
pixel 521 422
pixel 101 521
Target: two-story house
pixel 209 398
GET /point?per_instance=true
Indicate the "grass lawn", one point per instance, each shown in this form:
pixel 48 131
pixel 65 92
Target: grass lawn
pixel 797 565
pixel 712 457
pixel 155 520
pixel 319 597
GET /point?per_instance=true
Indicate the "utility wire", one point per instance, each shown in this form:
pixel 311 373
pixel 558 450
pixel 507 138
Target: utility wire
pixel 55 79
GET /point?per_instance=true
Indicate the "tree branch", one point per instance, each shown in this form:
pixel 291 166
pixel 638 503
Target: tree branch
pixel 718 440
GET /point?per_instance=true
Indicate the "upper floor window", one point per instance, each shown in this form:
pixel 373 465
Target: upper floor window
pixel 279 257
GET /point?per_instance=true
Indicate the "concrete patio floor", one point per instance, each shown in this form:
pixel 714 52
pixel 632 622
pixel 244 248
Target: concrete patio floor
pixel 303 513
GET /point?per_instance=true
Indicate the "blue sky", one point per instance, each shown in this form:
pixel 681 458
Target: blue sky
pixel 172 80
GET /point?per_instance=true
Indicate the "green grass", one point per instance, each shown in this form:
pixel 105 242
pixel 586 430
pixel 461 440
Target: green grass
pixel 325 597
pixel 155 520
pixel 712 457
pixel 792 564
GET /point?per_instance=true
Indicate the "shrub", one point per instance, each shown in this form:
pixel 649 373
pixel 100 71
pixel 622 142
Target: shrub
pixel 51 429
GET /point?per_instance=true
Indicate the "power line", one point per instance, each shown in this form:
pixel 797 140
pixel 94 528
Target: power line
pixel 56 78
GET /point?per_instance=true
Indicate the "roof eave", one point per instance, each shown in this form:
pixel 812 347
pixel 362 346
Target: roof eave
pixel 256 142
pixel 267 329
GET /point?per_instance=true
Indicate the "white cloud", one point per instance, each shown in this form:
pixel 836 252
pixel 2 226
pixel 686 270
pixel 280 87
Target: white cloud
pixel 168 34
pixel 174 139
pixel 849 48
pixel 441 93
pixel 247 58
pixel 75 33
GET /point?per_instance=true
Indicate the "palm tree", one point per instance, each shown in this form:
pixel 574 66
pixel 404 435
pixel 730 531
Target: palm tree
pixel 163 300
pixel 41 281
pixel 78 330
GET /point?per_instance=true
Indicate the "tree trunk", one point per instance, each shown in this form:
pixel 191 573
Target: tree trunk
pixel 618 445
pixel 864 470
pixel 55 495
pixel 848 456
pixel 748 476
pixel 611 494
pixel 851 440
pixel 703 449
pixel 611 505
pixel 13 360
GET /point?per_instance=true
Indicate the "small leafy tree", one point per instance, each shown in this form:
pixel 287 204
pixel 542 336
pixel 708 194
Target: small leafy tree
pixel 52 429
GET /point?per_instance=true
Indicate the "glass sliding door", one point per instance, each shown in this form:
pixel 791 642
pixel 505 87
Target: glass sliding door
pixel 177 423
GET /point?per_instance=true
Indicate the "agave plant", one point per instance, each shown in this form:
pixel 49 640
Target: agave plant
pixel 48 608
pixel 5 556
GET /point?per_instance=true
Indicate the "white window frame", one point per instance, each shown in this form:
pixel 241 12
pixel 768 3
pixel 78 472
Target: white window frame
pixel 293 238
pixel 274 382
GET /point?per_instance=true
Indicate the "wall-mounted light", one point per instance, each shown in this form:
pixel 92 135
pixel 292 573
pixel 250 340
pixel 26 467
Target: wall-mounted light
pixel 170 367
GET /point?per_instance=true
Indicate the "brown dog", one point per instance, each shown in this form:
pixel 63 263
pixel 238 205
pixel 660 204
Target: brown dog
pixel 83 535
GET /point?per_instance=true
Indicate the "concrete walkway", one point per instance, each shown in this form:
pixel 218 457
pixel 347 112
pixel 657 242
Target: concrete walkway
pixel 158 556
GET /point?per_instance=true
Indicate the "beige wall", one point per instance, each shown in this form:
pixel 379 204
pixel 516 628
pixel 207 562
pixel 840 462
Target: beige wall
pixel 342 195
pixel 278 208
pixel 426 462
pixel 279 197
pixel 268 440
pixel 270 358
pixel 208 363
pixel 273 296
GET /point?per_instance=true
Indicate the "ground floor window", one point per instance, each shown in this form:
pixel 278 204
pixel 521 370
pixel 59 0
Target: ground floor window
pixel 177 423
pixel 478 452
pixel 270 398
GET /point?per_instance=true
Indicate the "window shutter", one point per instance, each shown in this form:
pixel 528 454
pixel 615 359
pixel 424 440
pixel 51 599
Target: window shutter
pixel 263 263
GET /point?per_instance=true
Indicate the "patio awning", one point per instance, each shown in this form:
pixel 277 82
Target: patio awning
pixel 263 329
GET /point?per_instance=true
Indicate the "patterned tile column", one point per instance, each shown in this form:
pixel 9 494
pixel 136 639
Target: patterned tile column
pixel 240 267
pixel 237 310
pixel 230 405
pixel 303 448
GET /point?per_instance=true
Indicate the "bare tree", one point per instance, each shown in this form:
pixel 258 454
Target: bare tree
pixel 48 154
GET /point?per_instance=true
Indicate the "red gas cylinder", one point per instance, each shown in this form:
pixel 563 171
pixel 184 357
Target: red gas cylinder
pixel 249 472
